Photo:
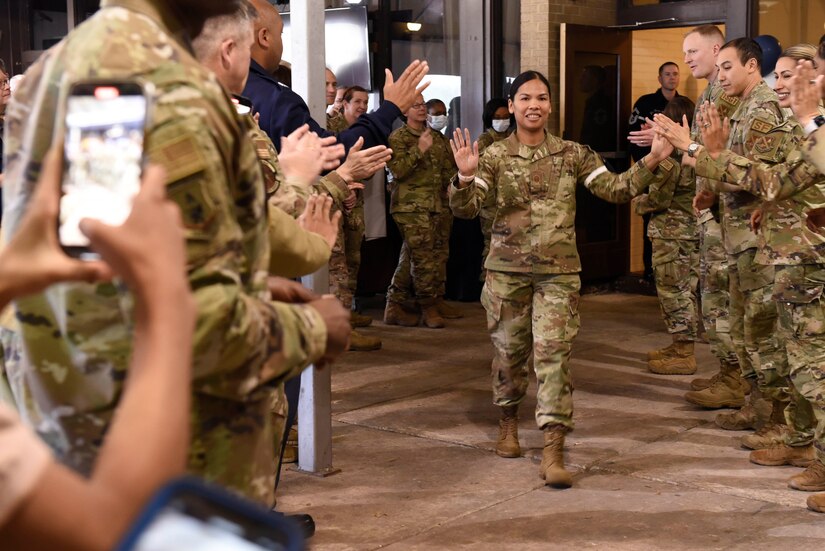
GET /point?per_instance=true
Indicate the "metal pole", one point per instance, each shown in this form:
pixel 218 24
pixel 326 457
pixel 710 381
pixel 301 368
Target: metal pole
pixel 308 80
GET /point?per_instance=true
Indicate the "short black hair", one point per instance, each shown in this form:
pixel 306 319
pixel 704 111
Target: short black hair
pixel 524 77
pixel 490 109
pixel 747 49
pixel 436 101
pixel 665 64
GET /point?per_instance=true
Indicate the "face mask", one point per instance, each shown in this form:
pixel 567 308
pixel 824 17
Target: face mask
pixel 501 125
pixel 437 122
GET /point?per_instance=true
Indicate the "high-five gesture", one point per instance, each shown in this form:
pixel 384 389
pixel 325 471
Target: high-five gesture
pixel 402 92
pixel 677 134
pixel 465 152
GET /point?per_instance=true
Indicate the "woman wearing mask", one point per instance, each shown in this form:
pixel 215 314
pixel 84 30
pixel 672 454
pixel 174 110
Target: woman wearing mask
pixel 422 165
pixel 532 289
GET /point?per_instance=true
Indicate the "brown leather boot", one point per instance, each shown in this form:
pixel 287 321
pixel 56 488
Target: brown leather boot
pixel 811 479
pixel 363 343
pixel 395 314
pixel 752 415
pixel 358 319
pixel 726 389
pixel 727 370
pixel 507 445
pixel 552 459
pixel 781 454
pixel 680 361
pixel 432 318
pixel 816 503
pixel 772 433
pixel 448 311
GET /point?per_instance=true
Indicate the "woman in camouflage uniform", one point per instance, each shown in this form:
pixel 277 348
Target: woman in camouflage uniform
pixel 531 292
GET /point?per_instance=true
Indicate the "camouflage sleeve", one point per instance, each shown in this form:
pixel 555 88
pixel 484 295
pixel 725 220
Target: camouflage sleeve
pixel 335 186
pixel 771 182
pixel 484 142
pixel 450 168
pixel 616 188
pixel 295 252
pixel 405 156
pixel 467 202
pixel 660 193
pixel 813 149
pixel 239 332
pixel 290 196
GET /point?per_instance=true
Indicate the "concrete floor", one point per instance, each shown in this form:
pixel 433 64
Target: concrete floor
pixel 414 432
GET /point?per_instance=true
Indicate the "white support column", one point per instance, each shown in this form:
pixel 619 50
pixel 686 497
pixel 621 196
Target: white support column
pixel 308 81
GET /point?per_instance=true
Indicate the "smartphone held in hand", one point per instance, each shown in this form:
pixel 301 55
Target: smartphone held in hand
pixel 103 150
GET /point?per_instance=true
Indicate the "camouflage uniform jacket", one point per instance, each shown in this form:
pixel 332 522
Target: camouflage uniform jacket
pixel 670 202
pixel 750 128
pixel 420 180
pixel 535 200
pixel 337 123
pixel 78 336
pixel 784 238
pixel 489 138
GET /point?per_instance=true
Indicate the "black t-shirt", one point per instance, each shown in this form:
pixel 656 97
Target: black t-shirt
pixel 645 107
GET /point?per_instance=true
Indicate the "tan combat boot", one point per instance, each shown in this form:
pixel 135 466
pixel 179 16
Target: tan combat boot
pixel 811 479
pixel 507 445
pixel 432 318
pixel 552 459
pixel 395 314
pixel 448 311
pixel 358 319
pixel 753 414
pixel 660 353
pixel 680 361
pixel 817 503
pixel 363 343
pixel 781 454
pixel 726 389
pixel 772 433
pixel 726 369
pixel 291 448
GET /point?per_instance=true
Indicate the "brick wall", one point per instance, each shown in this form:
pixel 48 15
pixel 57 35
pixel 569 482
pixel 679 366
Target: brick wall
pixel 540 24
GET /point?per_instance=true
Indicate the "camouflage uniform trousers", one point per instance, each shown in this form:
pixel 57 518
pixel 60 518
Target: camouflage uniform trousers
pixel 802 321
pixel 536 313
pixel 675 267
pixel 753 328
pixel 444 227
pixel 345 260
pixel 419 269
pixel 486 218
pixel 715 291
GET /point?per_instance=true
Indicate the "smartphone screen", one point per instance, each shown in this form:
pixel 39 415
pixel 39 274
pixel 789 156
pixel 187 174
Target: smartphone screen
pixel 195 516
pixel 103 158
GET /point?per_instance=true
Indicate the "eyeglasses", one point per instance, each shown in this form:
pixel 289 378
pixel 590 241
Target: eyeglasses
pixel 418 105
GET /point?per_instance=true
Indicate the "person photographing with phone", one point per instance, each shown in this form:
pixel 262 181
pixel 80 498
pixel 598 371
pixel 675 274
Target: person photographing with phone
pixel 44 505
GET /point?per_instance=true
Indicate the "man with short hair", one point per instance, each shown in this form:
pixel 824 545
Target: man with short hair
pixel 644 108
pixel 246 341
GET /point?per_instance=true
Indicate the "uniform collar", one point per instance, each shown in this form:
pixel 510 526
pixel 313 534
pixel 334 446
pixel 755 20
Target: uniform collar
pixel 258 69
pixel 757 93
pixel 550 146
pixel 413 131
pixel 157 10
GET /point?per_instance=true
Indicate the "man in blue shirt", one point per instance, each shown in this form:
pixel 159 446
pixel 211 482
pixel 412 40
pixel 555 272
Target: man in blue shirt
pixel 282 111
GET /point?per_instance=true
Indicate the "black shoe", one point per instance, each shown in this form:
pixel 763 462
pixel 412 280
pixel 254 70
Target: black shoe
pixel 305 524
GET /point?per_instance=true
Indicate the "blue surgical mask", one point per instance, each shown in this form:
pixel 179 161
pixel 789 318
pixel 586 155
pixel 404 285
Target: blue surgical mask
pixel 501 125
pixel 437 122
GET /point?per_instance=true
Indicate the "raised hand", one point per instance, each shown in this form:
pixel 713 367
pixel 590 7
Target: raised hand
pixel 363 163
pixel 643 137
pixel 677 134
pixel 425 141
pixel 465 153
pixel 715 132
pixel 300 156
pixel 660 148
pixel 316 218
pixel 405 90
pixel 806 91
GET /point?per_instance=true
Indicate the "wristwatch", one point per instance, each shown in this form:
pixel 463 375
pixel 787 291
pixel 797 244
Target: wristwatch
pixel 692 149
pixel 819 120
